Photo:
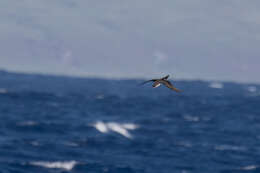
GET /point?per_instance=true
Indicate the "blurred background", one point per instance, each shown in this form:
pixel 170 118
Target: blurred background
pixel 213 40
pixel 70 99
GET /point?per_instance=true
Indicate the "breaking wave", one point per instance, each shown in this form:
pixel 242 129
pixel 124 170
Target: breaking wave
pixel 121 129
pixel 66 165
pixel 216 85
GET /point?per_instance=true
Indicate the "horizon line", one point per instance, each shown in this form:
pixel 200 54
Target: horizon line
pixel 3 70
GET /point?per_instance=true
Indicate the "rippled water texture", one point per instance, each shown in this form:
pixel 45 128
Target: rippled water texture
pixel 60 124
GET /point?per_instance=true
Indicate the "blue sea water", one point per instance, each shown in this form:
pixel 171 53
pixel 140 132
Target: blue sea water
pixel 62 124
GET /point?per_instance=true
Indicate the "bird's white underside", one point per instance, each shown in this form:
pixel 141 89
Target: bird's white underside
pixel 157 85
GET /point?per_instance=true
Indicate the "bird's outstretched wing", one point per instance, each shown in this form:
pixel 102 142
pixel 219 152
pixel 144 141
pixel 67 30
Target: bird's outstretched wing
pixel 152 80
pixel 169 85
pixel 166 77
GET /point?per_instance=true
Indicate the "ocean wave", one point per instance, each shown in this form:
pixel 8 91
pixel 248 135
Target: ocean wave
pixel 71 144
pixel 252 89
pixel 130 126
pixel 216 85
pixel 116 127
pixel 191 118
pixel 35 143
pixel 100 126
pixel 100 96
pixel 184 144
pixel 3 91
pixel 249 168
pixel 66 165
pixel 27 123
pixel 229 147
pixel 119 129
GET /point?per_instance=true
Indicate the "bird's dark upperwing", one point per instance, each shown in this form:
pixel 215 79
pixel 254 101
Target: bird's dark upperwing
pixel 166 77
pixel 152 80
pixel 169 85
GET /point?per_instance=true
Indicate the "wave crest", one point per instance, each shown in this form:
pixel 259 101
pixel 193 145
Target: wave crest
pixel 67 165
pixel 116 127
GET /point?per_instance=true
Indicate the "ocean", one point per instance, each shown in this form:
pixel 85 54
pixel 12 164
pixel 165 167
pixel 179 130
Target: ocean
pixel 54 124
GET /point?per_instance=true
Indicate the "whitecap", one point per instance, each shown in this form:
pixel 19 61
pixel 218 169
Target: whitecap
pixel 122 129
pixel 34 143
pixel 119 129
pixel 229 147
pixel 251 89
pixel 250 167
pixel 27 123
pixel 191 118
pixel 100 96
pixel 67 165
pixel 3 91
pixel 100 126
pixel 184 171
pixel 216 85
pixel 130 126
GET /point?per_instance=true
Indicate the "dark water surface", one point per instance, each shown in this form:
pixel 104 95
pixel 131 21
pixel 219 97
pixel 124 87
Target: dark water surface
pixel 60 124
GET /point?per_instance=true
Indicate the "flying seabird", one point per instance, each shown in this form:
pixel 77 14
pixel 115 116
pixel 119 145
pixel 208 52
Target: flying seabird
pixel 158 82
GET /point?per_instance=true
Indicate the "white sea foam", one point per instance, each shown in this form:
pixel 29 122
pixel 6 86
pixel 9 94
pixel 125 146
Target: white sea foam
pixel 251 89
pixel 27 123
pixel 67 165
pixel 100 96
pixel 116 127
pixel 191 118
pixel 250 167
pixel 3 91
pixel 217 85
pixel 130 126
pixel 229 147
pixel 100 126
pixel 119 129
pixel 35 143
pixel 184 171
